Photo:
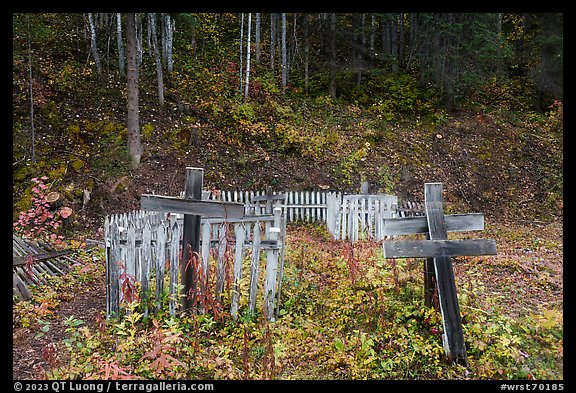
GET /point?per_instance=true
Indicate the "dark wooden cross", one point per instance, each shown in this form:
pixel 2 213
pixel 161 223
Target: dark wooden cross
pixel 269 198
pixel 193 208
pixel 438 251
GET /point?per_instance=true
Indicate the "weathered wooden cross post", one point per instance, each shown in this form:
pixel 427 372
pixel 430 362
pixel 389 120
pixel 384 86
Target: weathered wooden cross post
pixel 193 208
pixel 439 252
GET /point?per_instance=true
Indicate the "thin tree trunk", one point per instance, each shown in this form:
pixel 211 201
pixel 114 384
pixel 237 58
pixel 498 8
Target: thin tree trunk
pixel 241 53
pixel 31 94
pixel 284 65
pixel 93 46
pixel 164 39
pixel 159 74
pixel 372 36
pixel 120 42
pixel 332 87
pixel 138 39
pixel 133 113
pixel 306 53
pixel 248 56
pixel 257 37
pixel 357 55
pixel 272 42
pixel 170 26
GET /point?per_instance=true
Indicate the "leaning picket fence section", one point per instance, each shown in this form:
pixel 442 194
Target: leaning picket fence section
pixel 145 247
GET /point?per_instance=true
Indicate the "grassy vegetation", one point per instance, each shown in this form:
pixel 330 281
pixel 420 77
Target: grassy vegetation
pixel 346 313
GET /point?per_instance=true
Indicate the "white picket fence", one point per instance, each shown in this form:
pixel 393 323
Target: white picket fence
pixel 359 216
pixel 298 205
pixel 348 217
pixel 143 243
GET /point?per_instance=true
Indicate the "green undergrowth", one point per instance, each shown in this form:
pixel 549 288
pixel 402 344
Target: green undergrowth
pixel 345 313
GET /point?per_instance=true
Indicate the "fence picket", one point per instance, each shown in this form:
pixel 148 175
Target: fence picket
pixel 174 256
pixel 113 284
pixel 240 231
pixel 254 267
pixel 160 262
pixel 221 267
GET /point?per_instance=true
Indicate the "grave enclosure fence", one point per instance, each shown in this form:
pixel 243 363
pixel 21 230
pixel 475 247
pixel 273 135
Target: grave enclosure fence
pixel 141 245
pixel 145 247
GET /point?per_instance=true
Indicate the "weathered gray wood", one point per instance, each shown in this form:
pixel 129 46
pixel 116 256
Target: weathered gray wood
pixel 113 284
pixel 39 257
pixel 281 245
pixel 238 257
pixel 432 248
pixel 453 336
pixel 145 261
pixel 174 259
pixel 272 197
pixel 160 262
pixel 205 252
pixel 254 267
pixel 130 260
pixel 21 288
pixel 221 267
pixel 272 268
pixel 190 237
pixel 413 225
pixel 201 208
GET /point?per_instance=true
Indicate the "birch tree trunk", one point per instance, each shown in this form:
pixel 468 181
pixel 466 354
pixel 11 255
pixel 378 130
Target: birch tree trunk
pixel 168 25
pixel 138 39
pixel 284 63
pixel 159 74
pixel 257 37
pixel 248 56
pixel 120 42
pixel 241 52
pixel 272 42
pixel 93 46
pixel 332 87
pixel 133 113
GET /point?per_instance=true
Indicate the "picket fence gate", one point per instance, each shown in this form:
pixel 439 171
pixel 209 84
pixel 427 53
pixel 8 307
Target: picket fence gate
pixel 142 243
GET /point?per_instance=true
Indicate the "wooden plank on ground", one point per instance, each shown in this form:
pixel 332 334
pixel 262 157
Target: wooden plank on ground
pixel 21 260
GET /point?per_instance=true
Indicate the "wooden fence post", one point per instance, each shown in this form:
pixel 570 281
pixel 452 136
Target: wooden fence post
pixel 272 267
pixel 191 237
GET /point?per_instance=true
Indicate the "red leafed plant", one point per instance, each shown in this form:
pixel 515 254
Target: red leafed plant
pixel 162 355
pixel 127 284
pixel 39 222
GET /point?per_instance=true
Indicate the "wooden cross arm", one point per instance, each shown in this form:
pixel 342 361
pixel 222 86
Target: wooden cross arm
pixel 438 248
pixel 276 197
pixel 411 225
pixel 205 209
